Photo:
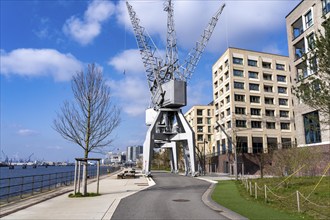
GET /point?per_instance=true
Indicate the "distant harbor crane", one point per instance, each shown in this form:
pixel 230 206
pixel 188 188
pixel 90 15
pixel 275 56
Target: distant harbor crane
pixel 167 83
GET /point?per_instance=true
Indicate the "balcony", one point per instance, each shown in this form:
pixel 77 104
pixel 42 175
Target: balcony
pixel 297 28
pixel 299 49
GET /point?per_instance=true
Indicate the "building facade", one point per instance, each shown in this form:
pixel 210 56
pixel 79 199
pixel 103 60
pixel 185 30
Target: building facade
pixel 253 102
pixel 133 153
pixel 303 23
pixel 201 120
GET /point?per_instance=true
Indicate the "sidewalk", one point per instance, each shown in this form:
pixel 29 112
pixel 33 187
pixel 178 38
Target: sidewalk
pixel 112 190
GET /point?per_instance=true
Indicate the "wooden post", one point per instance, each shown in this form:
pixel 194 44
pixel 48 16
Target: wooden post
pixel 255 190
pixel 75 177
pixel 79 168
pixel 98 177
pixel 298 202
pixel 265 193
pixel 250 188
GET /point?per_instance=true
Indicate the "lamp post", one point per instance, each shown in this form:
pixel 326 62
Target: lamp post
pixel 204 158
pixel 235 152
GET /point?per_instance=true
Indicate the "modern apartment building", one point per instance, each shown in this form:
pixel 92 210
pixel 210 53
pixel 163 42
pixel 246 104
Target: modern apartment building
pixel 253 102
pixel 201 120
pixel 303 23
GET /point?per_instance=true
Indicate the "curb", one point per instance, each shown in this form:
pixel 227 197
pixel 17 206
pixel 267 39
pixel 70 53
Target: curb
pixel 206 198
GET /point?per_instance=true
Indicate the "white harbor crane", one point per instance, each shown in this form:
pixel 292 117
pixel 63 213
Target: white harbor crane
pixel 167 81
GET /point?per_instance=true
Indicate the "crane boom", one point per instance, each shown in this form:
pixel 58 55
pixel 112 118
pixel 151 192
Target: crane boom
pixel 147 51
pixel 196 53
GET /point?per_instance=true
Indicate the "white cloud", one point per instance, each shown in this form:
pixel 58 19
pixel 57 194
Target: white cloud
pixel 132 93
pixel 128 61
pixel 241 21
pixel 26 132
pixel 39 62
pixel 85 30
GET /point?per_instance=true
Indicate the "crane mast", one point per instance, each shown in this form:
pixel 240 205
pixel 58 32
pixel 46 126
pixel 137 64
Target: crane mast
pixel 167 83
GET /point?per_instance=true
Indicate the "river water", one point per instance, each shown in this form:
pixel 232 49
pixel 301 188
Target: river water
pixel 18 171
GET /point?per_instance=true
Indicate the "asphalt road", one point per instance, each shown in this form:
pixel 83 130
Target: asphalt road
pixel 173 197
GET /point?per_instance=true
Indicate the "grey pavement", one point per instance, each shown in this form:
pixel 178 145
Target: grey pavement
pixel 112 190
pixel 57 205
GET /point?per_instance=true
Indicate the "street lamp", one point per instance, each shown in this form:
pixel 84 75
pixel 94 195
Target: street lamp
pixel 232 143
pixel 204 160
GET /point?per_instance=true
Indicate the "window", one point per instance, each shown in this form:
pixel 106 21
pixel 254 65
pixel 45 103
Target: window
pixel 241 144
pixel 208 112
pixel 325 6
pixel 254 99
pixel 228 124
pixel 257 145
pixel 239 98
pixel 216 84
pixel 284 114
pixel 199 111
pixel 285 126
pixel 200 137
pixel 228 111
pixel 255 124
pixel 283 102
pixel 255 111
pixel 241 123
pixel 239 110
pixel 199 128
pixel 254 87
pixel 268 88
pixel 253 75
pixel 209 129
pixel 216 95
pixel 312 127
pixel 215 73
pixel 208 121
pixel 252 63
pixel 228 99
pixel 227 87
pixel 237 60
pixel 270 125
pixel 311 41
pixel 226 75
pixel 226 63
pixel 269 101
pixel 267 76
pixel 282 90
pixel 220 68
pixel 281 78
pixel 199 120
pixel 308 19
pixel 280 66
pixel 270 112
pixel 238 85
pixel 238 73
pixel 266 65
pixel 286 143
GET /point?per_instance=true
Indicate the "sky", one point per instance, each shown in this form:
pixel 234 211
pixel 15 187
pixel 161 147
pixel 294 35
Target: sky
pixel 44 43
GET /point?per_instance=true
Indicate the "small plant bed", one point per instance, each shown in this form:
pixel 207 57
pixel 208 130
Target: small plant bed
pixel 80 195
pixel 229 194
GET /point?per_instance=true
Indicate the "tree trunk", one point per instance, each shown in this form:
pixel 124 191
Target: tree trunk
pixel 85 174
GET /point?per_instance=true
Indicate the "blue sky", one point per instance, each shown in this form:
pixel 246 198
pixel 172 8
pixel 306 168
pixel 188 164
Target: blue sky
pixel 43 43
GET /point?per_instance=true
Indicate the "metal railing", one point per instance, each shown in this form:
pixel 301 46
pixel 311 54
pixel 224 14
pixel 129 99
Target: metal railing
pixel 16 188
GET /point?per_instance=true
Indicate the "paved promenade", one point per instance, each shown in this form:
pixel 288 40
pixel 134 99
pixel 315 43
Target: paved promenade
pixel 112 190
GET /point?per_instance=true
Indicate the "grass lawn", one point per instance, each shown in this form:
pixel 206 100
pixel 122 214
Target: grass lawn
pixel 228 195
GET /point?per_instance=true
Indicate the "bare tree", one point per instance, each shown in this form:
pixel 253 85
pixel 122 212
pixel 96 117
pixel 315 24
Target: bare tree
pixel 91 117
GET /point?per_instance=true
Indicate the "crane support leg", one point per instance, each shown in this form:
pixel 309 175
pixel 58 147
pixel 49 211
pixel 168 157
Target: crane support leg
pixel 161 134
